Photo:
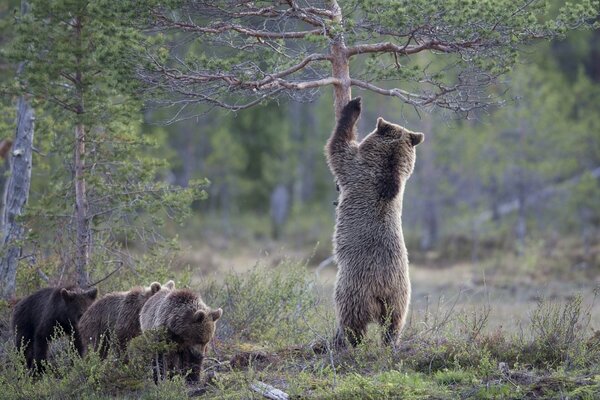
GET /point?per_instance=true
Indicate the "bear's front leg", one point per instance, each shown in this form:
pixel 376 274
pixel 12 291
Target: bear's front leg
pixel 78 343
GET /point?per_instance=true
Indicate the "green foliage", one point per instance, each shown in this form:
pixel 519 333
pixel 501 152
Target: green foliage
pixel 266 301
pixel 438 358
pixel 81 60
pixel 386 385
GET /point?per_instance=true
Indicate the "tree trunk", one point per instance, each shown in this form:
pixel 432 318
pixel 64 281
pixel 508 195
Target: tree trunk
pixel 82 219
pixel 82 222
pixel 15 197
pixel 16 191
pixel 340 65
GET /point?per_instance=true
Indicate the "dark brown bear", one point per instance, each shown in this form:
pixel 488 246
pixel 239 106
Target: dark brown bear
pixel 189 324
pixel 372 283
pixel 115 318
pixel 36 316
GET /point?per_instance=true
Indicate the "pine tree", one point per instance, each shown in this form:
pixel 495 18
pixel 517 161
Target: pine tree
pixel 80 59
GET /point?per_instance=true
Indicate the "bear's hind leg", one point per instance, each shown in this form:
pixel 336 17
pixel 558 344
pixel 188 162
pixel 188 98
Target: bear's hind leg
pixel 392 321
pixel 354 334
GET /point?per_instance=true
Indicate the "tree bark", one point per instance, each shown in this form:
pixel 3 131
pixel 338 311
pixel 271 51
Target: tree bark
pixel 16 191
pixel 15 197
pixel 82 222
pixel 340 64
pixel 82 218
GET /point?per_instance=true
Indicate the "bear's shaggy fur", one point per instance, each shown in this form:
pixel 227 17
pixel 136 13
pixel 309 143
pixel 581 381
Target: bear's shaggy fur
pixel 36 316
pixel 190 325
pixel 115 318
pixel 372 282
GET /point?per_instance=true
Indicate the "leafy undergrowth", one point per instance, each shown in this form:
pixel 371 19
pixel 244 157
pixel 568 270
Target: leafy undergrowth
pixel 275 328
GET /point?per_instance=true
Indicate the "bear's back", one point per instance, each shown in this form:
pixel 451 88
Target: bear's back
pixel 29 310
pixel 149 314
pixel 102 314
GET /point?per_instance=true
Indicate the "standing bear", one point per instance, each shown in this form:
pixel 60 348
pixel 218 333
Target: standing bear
pixel 115 318
pixel 372 283
pixel 36 316
pixel 189 324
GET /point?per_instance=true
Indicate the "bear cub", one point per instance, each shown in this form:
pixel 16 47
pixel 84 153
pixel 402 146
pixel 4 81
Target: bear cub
pixel 190 325
pixel 36 316
pixel 114 319
pixel 372 283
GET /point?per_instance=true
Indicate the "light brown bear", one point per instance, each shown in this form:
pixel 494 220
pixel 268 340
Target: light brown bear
pixel 372 283
pixel 189 324
pixel 115 318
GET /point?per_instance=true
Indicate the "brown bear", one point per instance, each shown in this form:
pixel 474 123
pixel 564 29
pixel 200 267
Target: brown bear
pixel 372 283
pixel 115 318
pixel 189 325
pixel 36 316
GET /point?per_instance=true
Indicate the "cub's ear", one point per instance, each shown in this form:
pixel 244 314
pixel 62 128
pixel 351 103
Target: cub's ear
pixel 216 314
pixel 66 294
pixel 199 316
pixel 381 123
pixel 170 285
pixel 416 138
pixel 154 287
pixel 92 293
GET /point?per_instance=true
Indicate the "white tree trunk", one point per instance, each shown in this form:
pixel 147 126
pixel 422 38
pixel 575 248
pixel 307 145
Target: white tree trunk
pixel 15 197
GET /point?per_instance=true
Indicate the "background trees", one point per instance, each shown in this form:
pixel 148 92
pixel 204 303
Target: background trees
pixel 426 53
pixel 99 174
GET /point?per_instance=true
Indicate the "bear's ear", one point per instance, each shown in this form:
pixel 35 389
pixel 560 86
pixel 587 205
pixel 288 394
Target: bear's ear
pixel 383 126
pixel 66 294
pixel 216 314
pixel 199 316
pixel 154 287
pixel 92 293
pixel 416 138
pixel 170 285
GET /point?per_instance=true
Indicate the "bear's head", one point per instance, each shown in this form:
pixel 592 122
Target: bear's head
pixel 194 327
pixel 190 321
pixel 205 326
pixel 390 146
pixel 387 157
pixel 77 301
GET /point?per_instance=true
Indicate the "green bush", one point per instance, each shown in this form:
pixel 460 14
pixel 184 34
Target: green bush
pixel 268 305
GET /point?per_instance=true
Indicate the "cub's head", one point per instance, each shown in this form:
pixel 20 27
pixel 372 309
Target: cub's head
pixel 390 147
pixel 188 320
pixel 205 322
pixel 77 301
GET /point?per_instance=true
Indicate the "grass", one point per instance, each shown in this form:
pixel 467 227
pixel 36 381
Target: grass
pixel 274 315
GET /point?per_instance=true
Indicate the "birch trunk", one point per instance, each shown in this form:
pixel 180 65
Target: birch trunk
pixel 15 197
pixel 16 190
